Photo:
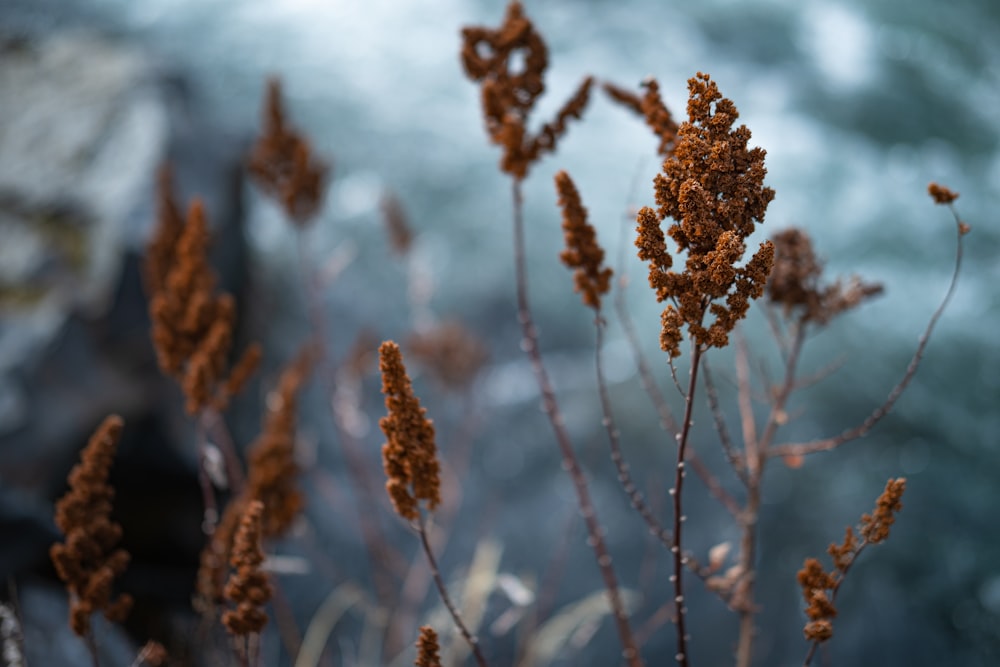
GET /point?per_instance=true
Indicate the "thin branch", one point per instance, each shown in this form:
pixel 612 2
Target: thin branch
pixel 801 449
pixel 624 475
pixel 595 531
pixel 720 426
pixel 436 572
pixel 676 492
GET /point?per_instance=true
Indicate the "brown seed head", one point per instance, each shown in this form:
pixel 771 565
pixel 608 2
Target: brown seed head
pixel 428 650
pixel 409 455
pixel 89 560
pixel 192 325
pixel 795 282
pixel 582 252
pixel 652 109
pixel 875 526
pixel 283 165
pixel 940 194
pixel 450 352
pixel 248 587
pixel 712 187
pixel 272 471
pixel 509 91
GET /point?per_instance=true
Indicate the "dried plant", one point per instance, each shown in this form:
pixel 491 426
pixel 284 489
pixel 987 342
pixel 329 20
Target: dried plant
pixel 509 93
pixel 283 165
pixel 507 99
pixel 192 325
pixel 272 475
pixel 396 224
pixel 428 651
pixel 272 479
pixel 409 455
pixel 819 587
pixel 89 560
pixel 794 283
pixel 712 186
pixel 650 106
pixel 450 352
pixel 248 587
pixel 590 278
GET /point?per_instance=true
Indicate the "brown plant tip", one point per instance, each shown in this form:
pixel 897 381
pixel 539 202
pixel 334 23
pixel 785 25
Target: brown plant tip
pixel 272 470
pixel 450 352
pixel 940 194
pixel 192 326
pixel 409 455
pixel 819 587
pixel 795 282
pixel 583 252
pixel 509 91
pixel 712 186
pixel 89 559
pixel 396 224
pixel 160 250
pixel 282 163
pixel 875 526
pixel 651 108
pixel 428 650
pixel 248 587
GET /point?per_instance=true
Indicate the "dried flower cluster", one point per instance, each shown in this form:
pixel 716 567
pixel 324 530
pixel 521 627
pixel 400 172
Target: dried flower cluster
pixel 795 282
pixel 410 453
pixel 428 650
pixel 940 194
pixel 283 165
pixel 583 252
pixel 510 89
pixel 712 186
pixel 396 224
pixel 248 588
pixel 272 479
pixel 89 560
pixel 450 352
pixel 192 325
pixel 819 587
pixel 651 107
pixel 272 471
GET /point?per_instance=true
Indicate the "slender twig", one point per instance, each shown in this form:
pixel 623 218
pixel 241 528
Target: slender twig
pixel 720 425
pixel 210 516
pixel 652 388
pixel 801 449
pixel 91 643
pixel 679 518
pixel 595 531
pixel 833 594
pixel 371 532
pixel 624 475
pixel 436 573
pixel 756 455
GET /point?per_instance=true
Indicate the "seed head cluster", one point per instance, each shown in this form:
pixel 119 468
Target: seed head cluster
pixel 712 186
pixel 409 455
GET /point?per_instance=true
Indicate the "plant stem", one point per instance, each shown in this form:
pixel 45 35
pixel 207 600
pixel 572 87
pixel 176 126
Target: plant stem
pixel 595 531
pixel 436 572
pixel 676 548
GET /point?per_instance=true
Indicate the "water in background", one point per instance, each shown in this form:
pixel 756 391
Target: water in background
pixel 859 106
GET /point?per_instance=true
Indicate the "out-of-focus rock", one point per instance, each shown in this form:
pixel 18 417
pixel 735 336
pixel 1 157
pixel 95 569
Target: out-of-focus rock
pixel 83 125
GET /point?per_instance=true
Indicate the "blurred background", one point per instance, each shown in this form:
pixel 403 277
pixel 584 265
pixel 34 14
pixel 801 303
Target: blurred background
pixel 859 105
